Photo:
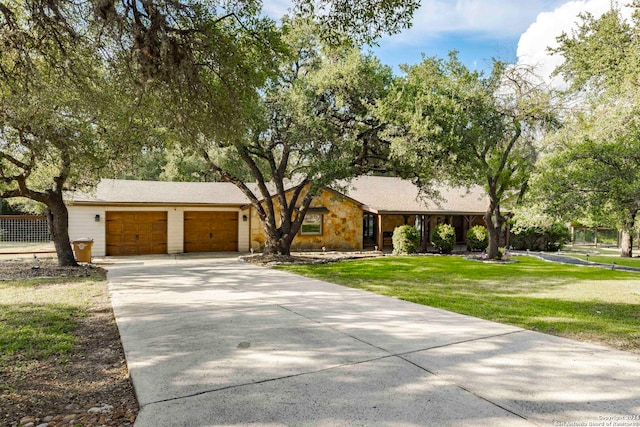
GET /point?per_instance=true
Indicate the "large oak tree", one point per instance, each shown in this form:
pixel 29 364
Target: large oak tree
pixel 312 127
pixel 49 89
pixel 451 123
pixel 591 166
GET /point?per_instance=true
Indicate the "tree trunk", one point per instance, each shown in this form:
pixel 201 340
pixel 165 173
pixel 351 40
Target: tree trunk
pixel 279 246
pixel 277 242
pixel 58 221
pixel 626 244
pixel 494 235
pixel 627 229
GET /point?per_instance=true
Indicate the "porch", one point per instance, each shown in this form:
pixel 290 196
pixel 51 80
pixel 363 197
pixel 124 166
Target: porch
pixel 378 227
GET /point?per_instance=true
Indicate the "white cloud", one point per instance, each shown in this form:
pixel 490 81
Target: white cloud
pixel 533 44
pixel 490 18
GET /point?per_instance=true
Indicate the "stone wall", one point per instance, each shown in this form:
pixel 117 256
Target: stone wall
pixel 341 226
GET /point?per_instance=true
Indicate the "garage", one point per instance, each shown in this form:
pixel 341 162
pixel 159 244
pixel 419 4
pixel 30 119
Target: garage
pixel 136 233
pixel 207 231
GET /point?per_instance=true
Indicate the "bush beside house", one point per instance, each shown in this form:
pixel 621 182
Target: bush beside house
pixel 548 238
pixel 405 240
pixel 477 238
pixel 444 238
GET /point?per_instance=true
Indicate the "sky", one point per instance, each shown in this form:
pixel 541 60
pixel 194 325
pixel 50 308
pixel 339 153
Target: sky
pixel 509 30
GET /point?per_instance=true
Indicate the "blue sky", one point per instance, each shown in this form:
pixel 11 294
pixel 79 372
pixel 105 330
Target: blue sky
pixel 510 30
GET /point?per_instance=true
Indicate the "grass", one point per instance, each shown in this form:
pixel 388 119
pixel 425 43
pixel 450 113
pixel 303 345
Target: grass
pixel 591 304
pixel 38 317
pixel 609 259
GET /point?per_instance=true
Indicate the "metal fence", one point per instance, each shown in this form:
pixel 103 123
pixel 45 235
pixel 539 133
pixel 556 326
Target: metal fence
pixel 24 228
pixel 24 234
pixel 595 236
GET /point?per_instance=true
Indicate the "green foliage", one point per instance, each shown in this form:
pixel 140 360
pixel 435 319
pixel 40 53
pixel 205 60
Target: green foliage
pixel 592 167
pixel 444 238
pixel 540 238
pixel 360 22
pixel 313 126
pixel 446 120
pixel 21 206
pixel 477 238
pixel 405 240
pixel 602 53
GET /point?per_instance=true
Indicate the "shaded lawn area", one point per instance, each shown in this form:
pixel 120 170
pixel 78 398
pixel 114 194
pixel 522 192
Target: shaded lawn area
pixel 59 346
pixel 39 316
pixel 589 304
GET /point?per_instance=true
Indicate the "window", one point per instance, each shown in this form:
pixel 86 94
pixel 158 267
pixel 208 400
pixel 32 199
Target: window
pixel 312 225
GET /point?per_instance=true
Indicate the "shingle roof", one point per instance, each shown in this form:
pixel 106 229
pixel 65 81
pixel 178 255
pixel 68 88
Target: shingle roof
pixel 162 192
pixel 389 194
pixel 377 194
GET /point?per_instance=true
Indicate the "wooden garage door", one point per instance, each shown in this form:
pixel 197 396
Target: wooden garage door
pixel 210 231
pixel 136 233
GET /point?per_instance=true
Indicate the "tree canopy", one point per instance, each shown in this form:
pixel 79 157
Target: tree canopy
pixel 312 127
pixel 459 125
pixel 591 165
pixel 51 84
pixel 84 82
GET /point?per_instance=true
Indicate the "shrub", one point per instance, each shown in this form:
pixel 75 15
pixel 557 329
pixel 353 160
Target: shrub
pixel 405 240
pixel 444 238
pixel 548 238
pixel 477 238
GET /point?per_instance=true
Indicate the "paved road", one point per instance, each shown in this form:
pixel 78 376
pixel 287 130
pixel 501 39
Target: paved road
pixel 219 342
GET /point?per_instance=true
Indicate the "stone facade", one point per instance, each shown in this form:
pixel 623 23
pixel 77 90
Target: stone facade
pixel 341 225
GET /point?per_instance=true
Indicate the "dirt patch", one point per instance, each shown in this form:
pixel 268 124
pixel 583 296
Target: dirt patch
pixel 90 386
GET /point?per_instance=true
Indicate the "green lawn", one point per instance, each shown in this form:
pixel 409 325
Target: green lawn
pixel 591 304
pixel 38 317
pixel 609 259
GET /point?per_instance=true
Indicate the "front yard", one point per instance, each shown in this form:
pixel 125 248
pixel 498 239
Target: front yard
pixel 584 303
pixel 61 360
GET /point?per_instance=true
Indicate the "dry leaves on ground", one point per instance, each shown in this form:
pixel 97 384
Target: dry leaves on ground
pixel 89 387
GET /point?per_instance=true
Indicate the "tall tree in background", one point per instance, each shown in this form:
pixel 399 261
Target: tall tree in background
pixel 284 104
pixel 591 166
pixel 456 124
pixel 593 170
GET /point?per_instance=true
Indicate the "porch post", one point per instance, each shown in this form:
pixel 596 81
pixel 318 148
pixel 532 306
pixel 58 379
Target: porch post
pixel 426 219
pixel 379 235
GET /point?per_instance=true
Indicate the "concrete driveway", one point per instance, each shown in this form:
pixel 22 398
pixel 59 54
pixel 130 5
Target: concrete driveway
pixel 213 341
